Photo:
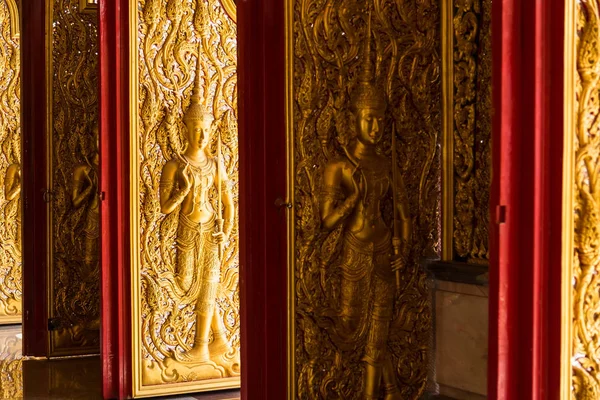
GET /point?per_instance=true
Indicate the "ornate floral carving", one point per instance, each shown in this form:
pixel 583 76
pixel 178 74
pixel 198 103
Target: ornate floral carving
pixel 586 213
pixel 10 175
pixel 472 128
pixel 174 37
pixel 75 274
pixel 328 41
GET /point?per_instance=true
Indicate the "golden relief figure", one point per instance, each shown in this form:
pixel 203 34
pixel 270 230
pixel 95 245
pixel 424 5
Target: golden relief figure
pixel 366 180
pixel 10 171
pixel 184 188
pixel 85 196
pixel 355 186
pixel 586 201
pixel 185 237
pixel 73 192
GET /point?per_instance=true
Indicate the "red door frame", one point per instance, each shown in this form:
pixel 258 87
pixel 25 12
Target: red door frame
pixel 33 169
pixel 262 146
pixel 525 268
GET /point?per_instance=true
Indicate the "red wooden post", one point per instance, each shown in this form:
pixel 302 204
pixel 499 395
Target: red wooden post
pixel 263 247
pixel 525 267
pixel 114 184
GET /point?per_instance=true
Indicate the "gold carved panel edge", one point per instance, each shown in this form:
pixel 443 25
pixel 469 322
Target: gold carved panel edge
pixel 581 303
pixel 167 41
pixel 10 161
pixel 467 130
pixel 325 53
pixel 74 274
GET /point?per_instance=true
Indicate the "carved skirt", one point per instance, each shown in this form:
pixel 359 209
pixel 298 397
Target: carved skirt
pixel 198 265
pixel 367 291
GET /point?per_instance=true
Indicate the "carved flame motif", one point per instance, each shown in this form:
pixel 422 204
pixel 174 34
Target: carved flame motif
pixel 170 34
pixel 328 42
pixel 75 270
pixel 472 128
pixel 586 213
pixel 10 148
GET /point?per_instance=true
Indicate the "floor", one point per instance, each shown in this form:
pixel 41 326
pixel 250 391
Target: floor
pixel 67 378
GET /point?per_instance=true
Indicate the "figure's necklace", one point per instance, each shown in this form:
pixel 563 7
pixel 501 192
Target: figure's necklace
pixel 204 167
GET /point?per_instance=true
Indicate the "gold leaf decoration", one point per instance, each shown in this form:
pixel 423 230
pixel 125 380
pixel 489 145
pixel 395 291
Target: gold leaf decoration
pixel 586 213
pixel 75 274
pixel 329 39
pixel 10 171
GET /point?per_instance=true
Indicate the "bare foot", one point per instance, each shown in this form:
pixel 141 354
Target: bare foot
pixel 218 347
pixel 229 361
pixel 198 354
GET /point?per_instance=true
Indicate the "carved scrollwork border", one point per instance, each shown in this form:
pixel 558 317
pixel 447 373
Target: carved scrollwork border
pixel 466 49
pixel 10 144
pixel 580 353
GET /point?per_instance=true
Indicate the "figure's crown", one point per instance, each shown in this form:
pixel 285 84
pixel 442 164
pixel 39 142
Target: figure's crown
pixel 367 94
pixel 196 110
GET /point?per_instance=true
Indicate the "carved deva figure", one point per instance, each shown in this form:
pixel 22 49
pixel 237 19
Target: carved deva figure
pixel 372 253
pixel 12 191
pixel 85 195
pixel 185 186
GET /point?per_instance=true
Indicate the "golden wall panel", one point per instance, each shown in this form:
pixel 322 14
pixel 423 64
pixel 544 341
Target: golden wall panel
pixel 356 322
pixel 73 197
pixel 468 130
pixel 186 299
pixel 584 217
pixel 10 161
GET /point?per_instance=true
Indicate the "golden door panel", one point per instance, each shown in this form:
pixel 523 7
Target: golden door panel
pixel 365 185
pixel 10 165
pixel 584 169
pixel 185 197
pixel 73 198
pixel 467 61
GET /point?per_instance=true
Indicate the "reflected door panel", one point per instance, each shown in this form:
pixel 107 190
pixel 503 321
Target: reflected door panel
pixel 74 293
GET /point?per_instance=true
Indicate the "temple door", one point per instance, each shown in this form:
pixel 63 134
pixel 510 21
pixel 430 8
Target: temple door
pixel 146 95
pixel 60 172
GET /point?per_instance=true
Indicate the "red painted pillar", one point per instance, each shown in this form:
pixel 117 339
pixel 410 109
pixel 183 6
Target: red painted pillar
pixel 525 265
pixel 262 147
pixel 114 183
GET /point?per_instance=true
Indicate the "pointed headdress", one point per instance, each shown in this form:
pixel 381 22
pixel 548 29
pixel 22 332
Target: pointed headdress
pixel 367 94
pixel 197 111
